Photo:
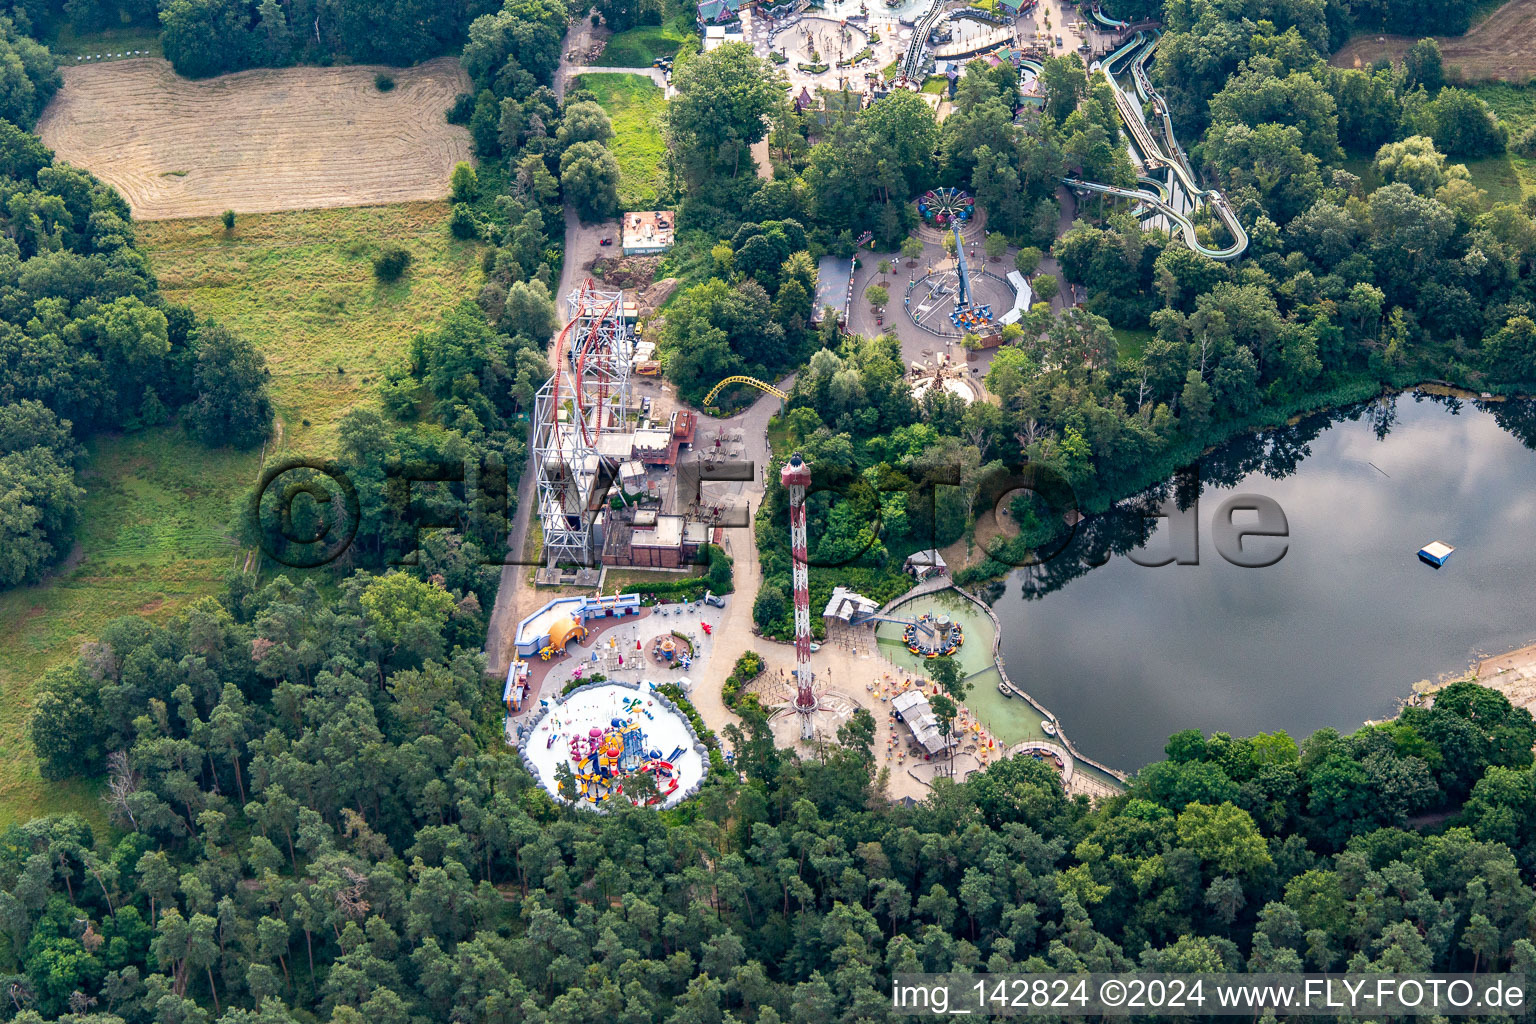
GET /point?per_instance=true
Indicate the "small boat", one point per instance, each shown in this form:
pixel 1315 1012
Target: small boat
pixel 1435 553
pixel 1048 727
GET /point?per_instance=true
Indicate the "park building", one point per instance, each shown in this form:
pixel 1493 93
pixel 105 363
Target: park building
pixel 924 564
pixel 913 710
pixel 644 538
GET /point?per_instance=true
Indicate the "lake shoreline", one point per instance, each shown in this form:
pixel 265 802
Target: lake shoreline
pixel 1260 670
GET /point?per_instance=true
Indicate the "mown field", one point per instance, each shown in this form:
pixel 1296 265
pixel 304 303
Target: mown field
pixel 155 533
pixel 637 106
pixel 301 286
pixel 261 140
pixel 1496 48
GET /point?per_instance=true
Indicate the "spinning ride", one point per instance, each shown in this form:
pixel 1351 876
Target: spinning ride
pixel 968 315
pixel 933 636
pixel 942 206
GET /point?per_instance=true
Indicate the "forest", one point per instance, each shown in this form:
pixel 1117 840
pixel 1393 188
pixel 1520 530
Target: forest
pixel 314 817
pixel 1374 263
pixel 86 342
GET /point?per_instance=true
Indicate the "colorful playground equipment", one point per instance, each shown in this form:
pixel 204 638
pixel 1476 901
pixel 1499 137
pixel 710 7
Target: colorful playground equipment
pixel 943 205
pixel 933 636
pixel 604 758
pixel 541 630
pixel 561 633
pixel 669 650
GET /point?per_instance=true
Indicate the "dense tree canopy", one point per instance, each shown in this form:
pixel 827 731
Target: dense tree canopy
pixel 318 817
pixel 214 37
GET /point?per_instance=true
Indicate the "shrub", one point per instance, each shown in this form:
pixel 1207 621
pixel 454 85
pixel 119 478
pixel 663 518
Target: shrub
pixel 383 82
pixel 391 263
pixel 748 667
pixel 596 677
pixel 463 183
pixel 228 218
pixel 463 223
pixel 1525 145
pixel 462 110
pixel 717 578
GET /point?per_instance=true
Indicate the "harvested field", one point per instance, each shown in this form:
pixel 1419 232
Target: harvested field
pixel 259 141
pixel 1497 49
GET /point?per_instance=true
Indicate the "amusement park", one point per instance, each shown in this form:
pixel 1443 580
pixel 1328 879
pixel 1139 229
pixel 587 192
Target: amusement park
pixel 599 692
pixel 612 695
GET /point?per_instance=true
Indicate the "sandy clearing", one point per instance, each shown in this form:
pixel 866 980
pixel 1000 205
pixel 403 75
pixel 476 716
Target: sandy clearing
pixel 259 141
pixel 1499 48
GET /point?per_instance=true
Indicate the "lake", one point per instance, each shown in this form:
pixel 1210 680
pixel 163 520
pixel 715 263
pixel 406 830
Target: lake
pixel 1338 630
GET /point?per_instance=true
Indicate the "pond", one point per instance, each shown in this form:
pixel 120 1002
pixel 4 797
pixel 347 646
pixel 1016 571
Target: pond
pixel 1337 631
pixel 1008 719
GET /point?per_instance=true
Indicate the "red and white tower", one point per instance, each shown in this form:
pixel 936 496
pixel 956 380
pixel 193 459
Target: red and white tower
pixel 796 477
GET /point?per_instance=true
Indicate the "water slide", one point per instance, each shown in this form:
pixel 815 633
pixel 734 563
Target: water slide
pixel 911 64
pixel 1154 194
pixel 1102 19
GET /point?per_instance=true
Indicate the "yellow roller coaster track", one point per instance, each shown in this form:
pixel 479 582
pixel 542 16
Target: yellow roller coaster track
pixel 760 385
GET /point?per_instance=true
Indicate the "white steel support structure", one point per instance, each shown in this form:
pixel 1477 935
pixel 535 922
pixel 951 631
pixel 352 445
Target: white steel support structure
pixel 584 398
pixel 796 477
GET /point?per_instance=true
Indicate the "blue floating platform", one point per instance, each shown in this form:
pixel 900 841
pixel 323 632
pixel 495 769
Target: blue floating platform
pixel 1435 553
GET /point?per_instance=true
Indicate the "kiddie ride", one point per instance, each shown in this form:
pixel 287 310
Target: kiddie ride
pixel 933 637
pixel 604 758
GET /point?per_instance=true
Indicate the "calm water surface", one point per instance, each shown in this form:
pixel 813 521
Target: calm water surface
pixel 1338 630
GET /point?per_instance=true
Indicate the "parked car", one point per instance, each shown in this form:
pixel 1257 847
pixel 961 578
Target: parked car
pixel 606 241
pixel 714 599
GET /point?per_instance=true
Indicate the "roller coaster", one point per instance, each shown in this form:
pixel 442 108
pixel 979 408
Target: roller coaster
pixel 762 386
pixel 1165 197
pixel 584 397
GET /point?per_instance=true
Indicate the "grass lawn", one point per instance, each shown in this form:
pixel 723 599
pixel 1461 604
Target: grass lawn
pixel 301 286
pixel 1515 105
pixel 636 105
pixel 638 47
pixel 1130 344
pixel 154 536
pixel 1506 178
pixel 1499 178
pixel 66 44
pixel 618 578
pixel 936 84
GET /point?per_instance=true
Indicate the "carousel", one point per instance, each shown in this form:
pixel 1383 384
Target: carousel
pixel 933 636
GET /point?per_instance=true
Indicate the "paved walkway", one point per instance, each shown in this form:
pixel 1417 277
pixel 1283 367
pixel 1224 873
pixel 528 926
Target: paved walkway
pixel 515 595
